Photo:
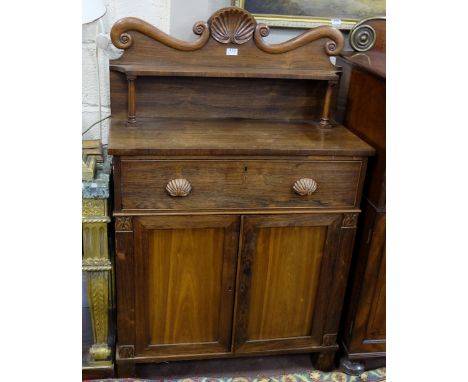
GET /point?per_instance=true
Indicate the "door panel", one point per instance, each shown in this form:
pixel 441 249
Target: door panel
pixel 285 261
pixel 185 293
pixel 286 253
pixel 183 305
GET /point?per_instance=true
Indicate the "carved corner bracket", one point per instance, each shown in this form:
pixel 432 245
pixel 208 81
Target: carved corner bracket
pixel 350 220
pixel 126 351
pixel 124 223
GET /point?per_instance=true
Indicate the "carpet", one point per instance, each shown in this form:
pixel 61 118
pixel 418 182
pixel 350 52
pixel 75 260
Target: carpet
pixel 377 375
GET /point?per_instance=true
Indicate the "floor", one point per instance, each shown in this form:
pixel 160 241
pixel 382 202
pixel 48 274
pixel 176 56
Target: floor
pixel 245 367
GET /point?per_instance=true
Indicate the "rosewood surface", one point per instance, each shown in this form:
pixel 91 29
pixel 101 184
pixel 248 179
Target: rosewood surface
pixel 217 253
pixel 239 184
pixel 177 136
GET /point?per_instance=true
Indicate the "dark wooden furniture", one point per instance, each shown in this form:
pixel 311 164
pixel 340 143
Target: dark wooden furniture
pixel 362 106
pixel 236 197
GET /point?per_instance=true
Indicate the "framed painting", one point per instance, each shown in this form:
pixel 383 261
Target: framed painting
pixel 342 14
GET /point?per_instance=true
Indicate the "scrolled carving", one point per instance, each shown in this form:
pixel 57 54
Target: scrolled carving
pixel 263 30
pixel 178 187
pixel 232 25
pixel 123 40
pixel 228 25
pixel 305 186
pixel 362 38
pixel 332 48
pixel 123 223
pixel 200 27
pixel 126 40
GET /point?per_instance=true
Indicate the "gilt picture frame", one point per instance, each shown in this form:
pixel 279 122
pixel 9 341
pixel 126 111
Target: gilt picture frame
pixel 342 14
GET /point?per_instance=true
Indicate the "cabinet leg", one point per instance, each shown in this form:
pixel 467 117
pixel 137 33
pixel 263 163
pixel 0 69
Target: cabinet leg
pixel 351 367
pixel 126 370
pixel 325 361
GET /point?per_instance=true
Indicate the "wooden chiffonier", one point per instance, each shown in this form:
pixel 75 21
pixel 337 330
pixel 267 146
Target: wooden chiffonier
pixel 362 109
pixel 236 198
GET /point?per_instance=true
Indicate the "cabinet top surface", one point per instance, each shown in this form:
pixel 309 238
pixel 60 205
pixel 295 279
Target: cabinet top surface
pixel 172 136
pixel 138 70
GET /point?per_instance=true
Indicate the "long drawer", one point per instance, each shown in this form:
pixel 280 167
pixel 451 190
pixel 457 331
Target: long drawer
pixel 238 184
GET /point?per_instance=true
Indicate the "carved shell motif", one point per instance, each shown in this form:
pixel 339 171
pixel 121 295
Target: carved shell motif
pixel 178 187
pixel 305 186
pixel 232 25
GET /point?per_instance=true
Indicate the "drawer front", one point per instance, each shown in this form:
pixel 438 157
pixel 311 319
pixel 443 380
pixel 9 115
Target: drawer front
pixel 237 184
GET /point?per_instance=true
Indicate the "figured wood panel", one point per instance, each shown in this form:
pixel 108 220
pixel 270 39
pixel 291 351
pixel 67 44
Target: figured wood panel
pixel 239 184
pixel 199 98
pixel 185 289
pixel 285 270
pixel 184 280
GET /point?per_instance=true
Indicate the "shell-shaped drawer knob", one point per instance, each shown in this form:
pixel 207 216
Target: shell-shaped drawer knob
pixel 305 186
pixel 178 187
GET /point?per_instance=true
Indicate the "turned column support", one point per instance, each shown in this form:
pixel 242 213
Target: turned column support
pixel 131 113
pixel 325 120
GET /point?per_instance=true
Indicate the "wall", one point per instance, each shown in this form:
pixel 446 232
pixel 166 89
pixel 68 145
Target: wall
pixel 156 12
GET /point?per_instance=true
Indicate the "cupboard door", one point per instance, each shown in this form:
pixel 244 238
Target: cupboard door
pixel 185 278
pixel 285 266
